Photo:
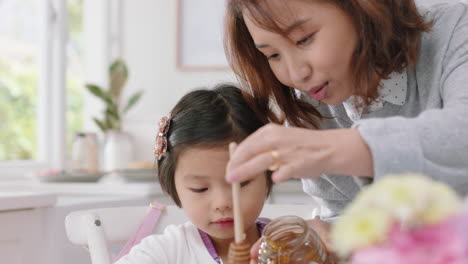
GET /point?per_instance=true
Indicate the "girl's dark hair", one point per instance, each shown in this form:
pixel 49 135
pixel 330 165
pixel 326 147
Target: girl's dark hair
pixel 389 35
pixel 206 118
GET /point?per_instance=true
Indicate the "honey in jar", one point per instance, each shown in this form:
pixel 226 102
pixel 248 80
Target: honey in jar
pixel 289 240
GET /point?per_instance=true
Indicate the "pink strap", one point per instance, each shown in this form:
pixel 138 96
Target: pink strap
pixel 146 228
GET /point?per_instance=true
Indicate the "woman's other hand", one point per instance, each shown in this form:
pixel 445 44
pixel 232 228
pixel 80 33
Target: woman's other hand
pixel 322 229
pixel 300 153
pixel 254 251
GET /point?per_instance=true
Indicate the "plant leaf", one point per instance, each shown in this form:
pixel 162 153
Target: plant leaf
pixel 133 100
pixel 108 121
pixel 100 93
pixel 111 121
pixel 118 75
pixel 112 111
pixel 100 124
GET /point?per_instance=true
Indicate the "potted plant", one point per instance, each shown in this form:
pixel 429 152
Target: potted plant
pixel 118 149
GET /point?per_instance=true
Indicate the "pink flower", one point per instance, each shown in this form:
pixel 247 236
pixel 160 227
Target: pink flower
pixel 436 244
pixel 380 255
pixel 461 226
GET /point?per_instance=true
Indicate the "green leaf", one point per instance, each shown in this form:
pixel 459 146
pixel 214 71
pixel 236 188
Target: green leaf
pixel 118 75
pixel 100 93
pixel 111 121
pixel 100 124
pixel 133 100
pixel 112 111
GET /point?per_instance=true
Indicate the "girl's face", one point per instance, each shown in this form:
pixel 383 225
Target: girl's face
pixel 206 197
pixel 316 58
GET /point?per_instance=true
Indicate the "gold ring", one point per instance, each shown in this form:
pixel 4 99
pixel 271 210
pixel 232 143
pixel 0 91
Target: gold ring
pixel 276 161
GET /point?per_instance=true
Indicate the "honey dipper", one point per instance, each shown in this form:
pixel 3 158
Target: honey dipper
pixel 239 250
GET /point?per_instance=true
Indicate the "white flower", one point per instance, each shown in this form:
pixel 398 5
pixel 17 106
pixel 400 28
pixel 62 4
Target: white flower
pixel 444 203
pixel 407 199
pixel 359 230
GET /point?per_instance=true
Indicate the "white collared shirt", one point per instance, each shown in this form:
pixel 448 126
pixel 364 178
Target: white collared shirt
pixel 392 90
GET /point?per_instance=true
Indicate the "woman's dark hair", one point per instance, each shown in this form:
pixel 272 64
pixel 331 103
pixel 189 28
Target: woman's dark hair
pixel 389 34
pixel 206 118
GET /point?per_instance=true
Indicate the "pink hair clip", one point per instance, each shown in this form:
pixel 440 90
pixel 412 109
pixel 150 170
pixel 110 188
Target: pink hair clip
pixel 160 148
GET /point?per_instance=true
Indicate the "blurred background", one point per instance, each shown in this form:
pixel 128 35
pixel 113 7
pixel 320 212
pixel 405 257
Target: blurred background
pixel 62 147
pixel 50 49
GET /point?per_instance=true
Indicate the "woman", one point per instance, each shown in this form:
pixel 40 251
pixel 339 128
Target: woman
pixel 386 83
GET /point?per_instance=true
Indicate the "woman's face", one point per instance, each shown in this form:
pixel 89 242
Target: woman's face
pixel 316 58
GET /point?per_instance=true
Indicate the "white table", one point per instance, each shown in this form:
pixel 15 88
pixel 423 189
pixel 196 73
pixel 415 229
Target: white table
pixel 22 217
pixel 32 214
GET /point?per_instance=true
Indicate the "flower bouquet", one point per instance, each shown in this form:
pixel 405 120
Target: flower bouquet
pixel 403 219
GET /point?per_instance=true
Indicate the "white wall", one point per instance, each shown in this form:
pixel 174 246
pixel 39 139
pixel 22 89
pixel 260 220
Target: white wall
pixel 149 47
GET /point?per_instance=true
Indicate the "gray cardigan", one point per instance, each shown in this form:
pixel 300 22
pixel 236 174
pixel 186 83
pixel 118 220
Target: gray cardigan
pixel 429 133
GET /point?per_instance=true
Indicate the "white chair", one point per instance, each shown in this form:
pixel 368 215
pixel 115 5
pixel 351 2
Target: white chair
pixel 96 229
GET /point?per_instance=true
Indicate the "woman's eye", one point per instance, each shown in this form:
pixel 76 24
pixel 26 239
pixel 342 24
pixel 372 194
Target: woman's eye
pixel 305 40
pixel 199 190
pixel 273 56
pixel 245 183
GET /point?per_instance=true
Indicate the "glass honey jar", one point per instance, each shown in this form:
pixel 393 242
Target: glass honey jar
pixel 289 240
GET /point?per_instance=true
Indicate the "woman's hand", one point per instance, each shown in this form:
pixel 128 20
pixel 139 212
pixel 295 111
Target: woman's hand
pixel 300 153
pixel 254 251
pixel 322 229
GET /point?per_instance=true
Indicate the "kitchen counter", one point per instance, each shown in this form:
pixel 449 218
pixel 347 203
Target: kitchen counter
pixel 14 194
pixel 25 200
pixel 34 212
pixel 99 190
pixel 76 188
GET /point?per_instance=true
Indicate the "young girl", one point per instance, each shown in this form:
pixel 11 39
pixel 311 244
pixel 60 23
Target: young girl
pixel 192 153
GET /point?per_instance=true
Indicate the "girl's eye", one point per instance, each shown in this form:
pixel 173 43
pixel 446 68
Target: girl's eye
pixel 273 56
pixel 200 190
pixel 242 184
pixel 304 40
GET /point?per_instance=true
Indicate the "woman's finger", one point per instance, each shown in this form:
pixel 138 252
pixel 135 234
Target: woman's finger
pixel 294 152
pixel 322 229
pixel 292 162
pixel 254 250
pixel 259 164
pixel 269 137
pixel 284 173
pixel 270 160
pixel 297 163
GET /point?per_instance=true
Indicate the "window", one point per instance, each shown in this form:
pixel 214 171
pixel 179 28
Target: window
pixel 41 85
pixel 75 81
pixel 19 64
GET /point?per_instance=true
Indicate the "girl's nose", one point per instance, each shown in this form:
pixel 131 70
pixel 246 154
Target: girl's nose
pixel 223 199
